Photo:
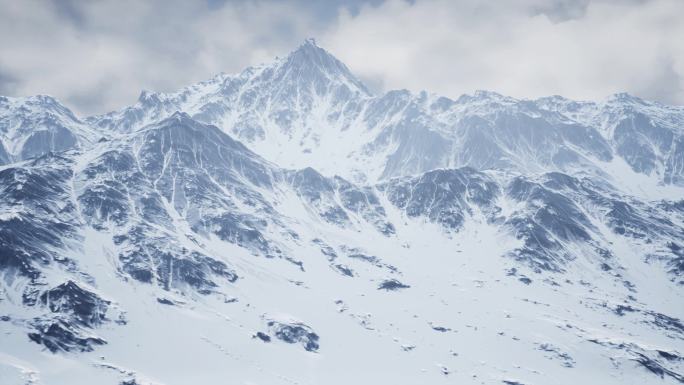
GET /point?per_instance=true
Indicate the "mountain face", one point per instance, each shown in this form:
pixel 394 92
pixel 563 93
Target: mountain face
pixel 285 225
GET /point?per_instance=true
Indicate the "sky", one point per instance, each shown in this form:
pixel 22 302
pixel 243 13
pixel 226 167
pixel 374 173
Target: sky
pixel 96 56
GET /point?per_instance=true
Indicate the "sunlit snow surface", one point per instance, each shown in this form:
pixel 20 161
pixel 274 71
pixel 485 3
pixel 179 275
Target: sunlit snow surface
pixel 486 240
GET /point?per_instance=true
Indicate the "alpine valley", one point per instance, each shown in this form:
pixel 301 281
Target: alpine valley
pixel 286 225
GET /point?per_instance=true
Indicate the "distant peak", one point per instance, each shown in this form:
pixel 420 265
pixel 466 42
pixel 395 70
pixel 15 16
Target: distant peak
pixel 624 97
pixel 147 96
pixel 311 50
pixel 309 45
pixel 180 116
pixel 174 121
pixel 37 104
pixel 34 99
pixel 484 94
pixel 309 56
pixel 144 94
pixel 44 98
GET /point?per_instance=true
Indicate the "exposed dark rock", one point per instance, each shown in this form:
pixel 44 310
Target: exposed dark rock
pixel 440 329
pixel 240 229
pixel 365 203
pixel 82 305
pixel 622 309
pixel 392 285
pixel 59 334
pixel 344 270
pixel 173 266
pixel 670 356
pixel 295 333
pixel 319 192
pixel 555 353
pixel 667 322
pixel 368 258
pixel 549 218
pixel 45 217
pixel 263 336
pixel 657 368
pixel 326 250
pixel 443 196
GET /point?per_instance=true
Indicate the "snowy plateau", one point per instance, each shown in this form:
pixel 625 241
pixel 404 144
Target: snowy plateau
pixel 286 225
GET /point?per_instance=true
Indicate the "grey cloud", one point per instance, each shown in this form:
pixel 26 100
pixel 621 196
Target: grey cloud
pixel 562 10
pixel 528 48
pixel 77 50
pixel 8 83
pixel 70 11
pixel 666 84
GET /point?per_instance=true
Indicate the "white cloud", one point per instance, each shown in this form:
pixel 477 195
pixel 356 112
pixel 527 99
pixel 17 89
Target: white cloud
pixel 518 48
pixel 97 56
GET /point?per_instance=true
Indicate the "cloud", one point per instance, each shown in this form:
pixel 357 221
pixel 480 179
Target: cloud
pixel 96 56
pixel 582 49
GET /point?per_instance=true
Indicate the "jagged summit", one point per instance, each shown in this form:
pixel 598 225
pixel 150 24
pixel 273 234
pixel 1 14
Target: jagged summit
pixel 35 104
pixel 309 59
pixel 625 97
pixel 35 125
pixel 147 96
pixel 309 54
pixel 296 83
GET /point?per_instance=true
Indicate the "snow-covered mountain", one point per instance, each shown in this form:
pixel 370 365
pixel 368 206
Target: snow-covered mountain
pixel 36 125
pixel 286 226
pixel 308 110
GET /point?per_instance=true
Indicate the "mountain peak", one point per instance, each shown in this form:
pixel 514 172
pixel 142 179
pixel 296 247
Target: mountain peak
pixel 310 46
pixel 624 98
pixel 309 41
pixel 309 53
pixel 35 105
pixel 310 58
pixel 146 96
pixel 32 100
pixel 178 117
pixel 483 96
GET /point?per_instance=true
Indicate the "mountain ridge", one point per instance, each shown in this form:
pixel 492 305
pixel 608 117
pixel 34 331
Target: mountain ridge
pixel 378 130
pixel 321 117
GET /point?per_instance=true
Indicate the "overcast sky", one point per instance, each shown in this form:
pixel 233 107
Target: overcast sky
pixel 96 56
